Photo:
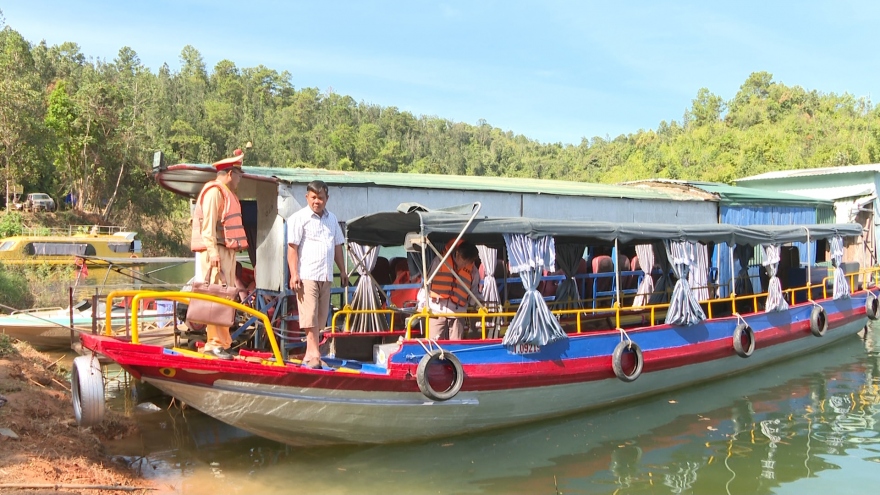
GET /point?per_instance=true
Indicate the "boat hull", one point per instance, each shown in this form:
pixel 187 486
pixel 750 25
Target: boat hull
pixel 44 329
pixel 311 407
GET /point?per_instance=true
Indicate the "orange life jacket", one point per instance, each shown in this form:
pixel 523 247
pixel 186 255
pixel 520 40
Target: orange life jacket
pixel 230 232
pixel 445 286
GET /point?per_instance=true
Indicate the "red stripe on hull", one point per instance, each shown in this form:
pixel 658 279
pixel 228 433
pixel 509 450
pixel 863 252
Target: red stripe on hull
pixel 151 361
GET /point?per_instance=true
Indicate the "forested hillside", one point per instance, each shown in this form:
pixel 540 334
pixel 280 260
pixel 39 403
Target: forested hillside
pixel 73 124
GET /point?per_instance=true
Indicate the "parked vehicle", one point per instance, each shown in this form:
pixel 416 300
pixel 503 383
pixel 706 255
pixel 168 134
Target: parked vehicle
pixel 39 202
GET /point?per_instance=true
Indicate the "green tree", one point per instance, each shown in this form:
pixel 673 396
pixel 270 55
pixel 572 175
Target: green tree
pixel 21 132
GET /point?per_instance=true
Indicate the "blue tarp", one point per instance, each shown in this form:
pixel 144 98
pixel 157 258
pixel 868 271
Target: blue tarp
pixel 760 215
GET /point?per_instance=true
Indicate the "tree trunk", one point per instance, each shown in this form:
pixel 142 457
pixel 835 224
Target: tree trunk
pixel 106 213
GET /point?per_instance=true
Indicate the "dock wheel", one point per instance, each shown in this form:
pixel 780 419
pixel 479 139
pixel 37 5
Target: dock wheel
pixel 87 390
pixel 743 340
pixel 443 370
pixel 818 321
pixel 627 361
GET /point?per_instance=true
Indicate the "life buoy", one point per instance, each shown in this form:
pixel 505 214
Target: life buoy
pixel 818 321
pixel 133 256
pixel 743 332
pixel 87 390
pixel 872 306
pixel 631 372
pixel 435 358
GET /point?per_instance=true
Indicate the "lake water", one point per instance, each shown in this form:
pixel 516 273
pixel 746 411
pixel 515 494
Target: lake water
pixel 807 425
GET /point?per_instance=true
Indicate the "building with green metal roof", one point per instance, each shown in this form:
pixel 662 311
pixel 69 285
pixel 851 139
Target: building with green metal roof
pixel 851 188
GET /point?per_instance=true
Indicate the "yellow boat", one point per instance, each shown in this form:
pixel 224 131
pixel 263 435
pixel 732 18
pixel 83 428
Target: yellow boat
pixel 63 246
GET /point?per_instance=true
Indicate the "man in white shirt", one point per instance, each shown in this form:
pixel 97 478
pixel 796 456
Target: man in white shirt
pixel 314 241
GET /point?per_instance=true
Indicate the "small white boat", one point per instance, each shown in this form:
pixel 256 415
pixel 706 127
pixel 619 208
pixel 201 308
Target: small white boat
pixel 59 328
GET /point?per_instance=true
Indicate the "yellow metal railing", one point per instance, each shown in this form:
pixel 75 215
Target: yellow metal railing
pixel 186 297
pixel 738 304
pixel 347 312
pixel 750 303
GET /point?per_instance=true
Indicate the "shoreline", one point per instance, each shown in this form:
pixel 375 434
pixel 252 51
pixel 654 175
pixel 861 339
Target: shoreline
pixel 41 446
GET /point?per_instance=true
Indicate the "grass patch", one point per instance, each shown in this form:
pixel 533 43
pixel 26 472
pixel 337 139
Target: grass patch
pixel 6 347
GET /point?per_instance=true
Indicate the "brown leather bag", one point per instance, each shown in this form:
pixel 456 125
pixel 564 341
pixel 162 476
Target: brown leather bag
pixel 210 312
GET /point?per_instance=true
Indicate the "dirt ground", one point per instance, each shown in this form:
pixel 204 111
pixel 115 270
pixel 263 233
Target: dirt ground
pixel 51 449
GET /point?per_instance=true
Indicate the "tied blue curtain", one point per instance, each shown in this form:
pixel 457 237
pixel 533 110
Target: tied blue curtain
pixel 775 301
pixel 533 323
pixel 366 293
pixel 489 291
pixel 684 308
pixel 841 286
pixel 698 274
pixel 645 252
pixel 569 257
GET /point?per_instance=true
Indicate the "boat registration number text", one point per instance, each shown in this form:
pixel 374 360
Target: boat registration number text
pixel 526 349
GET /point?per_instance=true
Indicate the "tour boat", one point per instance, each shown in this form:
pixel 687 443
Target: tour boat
pixel 382 381
pixel 63 246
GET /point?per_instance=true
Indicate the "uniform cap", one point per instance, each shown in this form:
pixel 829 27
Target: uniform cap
pixel 233 161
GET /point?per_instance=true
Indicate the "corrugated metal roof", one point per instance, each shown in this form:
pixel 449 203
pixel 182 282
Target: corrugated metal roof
pixel 742 196
pixel 809 172
pixel 736 195
pixel 835 192
pixel 468 183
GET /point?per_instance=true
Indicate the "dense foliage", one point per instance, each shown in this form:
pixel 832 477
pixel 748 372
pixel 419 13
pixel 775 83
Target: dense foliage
pixel 84 127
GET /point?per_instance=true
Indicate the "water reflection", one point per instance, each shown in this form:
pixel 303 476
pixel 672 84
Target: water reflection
pixel 797 422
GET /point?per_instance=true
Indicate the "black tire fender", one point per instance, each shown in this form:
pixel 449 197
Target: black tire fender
pixel 743 332
pixel 818 321
pixel 87 391
pixel 617 361
pixel 429 360
pixel 872 306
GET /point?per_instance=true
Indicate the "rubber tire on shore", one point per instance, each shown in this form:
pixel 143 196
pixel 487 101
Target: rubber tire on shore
pixel 87 391
pixel 818 321
pixel 617 361
pixel 872 306
pixel 429 360
pixel 743 330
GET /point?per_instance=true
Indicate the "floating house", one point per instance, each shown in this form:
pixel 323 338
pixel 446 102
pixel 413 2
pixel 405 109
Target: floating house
pixel 852 189
pixel 269 195
pixel 751 206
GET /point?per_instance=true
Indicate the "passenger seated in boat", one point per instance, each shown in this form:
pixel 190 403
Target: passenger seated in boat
pixel 446 294
pixel 381 272
pixel 399 267
pixel 405 298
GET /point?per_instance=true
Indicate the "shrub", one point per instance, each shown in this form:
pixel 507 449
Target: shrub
pixel 6 348
pixel 14 290
pixel 47 284
pixel 11 223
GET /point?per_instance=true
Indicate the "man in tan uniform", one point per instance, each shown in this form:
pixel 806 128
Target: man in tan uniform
pixel 217 234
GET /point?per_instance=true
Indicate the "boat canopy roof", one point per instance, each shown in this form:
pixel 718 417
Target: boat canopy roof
pixel 391 229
